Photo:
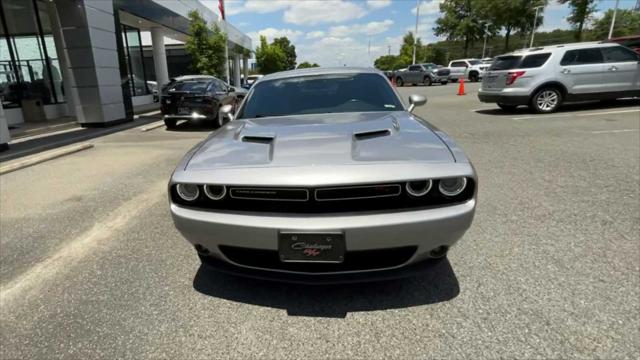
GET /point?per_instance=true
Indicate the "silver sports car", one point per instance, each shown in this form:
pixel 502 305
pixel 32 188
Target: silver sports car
pixel 323 175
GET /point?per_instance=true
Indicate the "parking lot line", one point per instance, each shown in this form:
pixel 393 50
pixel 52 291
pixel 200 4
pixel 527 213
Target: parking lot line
pixel 39 136
pixel 576 114
pixel 614 131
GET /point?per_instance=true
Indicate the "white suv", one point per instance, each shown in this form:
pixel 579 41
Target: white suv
pixel 472 69
pixel 545 77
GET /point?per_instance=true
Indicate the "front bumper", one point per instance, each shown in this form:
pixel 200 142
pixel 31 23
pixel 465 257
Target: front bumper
pixel 423 229
pixel 503 98
pixel 440 79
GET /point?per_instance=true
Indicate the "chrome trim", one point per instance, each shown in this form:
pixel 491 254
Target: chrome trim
pixel 266 188
pixel 419 193
pixel 315 195
pixel 212 197
pixel 186 198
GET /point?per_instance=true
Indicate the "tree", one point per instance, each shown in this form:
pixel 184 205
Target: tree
pixel 270 58
pixel 435 54
pixel 513 15
pixel 581 12
pixel 405 57
pixel 289 51
pixel 306 65
pixel 461 20
pixel 206 46
pixel 627 23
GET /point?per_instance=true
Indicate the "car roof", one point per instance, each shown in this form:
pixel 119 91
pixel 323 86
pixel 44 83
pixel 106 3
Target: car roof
pixel 320 71
pixel 547 48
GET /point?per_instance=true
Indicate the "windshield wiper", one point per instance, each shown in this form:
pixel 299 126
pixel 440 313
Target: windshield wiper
pixel 265 115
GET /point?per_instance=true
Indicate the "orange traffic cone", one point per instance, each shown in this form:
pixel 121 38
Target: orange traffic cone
pixel 461 87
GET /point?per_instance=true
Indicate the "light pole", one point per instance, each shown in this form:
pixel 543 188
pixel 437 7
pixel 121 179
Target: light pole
pixel 613 20
pixel 535 21
pixel 415 34
pixel 484 46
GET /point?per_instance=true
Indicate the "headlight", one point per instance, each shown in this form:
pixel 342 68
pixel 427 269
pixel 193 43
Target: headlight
pixel 452 186
pixel 418 187
pixel 215 192
pixel 188 192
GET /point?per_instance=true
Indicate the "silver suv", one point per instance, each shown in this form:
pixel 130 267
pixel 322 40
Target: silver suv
pixel 543 78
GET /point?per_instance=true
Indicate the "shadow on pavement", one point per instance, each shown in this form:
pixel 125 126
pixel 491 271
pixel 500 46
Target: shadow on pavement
pixel 438 284
pixel 567 108
pixel 195 126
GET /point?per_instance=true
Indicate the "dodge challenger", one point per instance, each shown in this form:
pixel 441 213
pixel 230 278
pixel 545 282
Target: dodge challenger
pixel 323 175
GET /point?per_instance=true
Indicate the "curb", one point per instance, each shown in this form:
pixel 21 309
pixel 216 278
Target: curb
pixel 152 126
pixel 44 157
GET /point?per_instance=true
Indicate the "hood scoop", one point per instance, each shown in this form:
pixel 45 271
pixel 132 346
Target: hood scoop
pixel 365 135
pixel 258 139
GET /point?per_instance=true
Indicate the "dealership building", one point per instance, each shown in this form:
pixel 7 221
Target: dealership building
pixel 85 58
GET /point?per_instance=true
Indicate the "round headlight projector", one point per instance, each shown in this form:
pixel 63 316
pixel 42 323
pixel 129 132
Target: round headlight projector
pixel 418 187
pixel 215 192
pixel 452 186
pixel 188 192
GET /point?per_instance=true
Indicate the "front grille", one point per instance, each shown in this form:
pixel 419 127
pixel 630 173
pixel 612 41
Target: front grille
pixel 356 198
pixel 353 260
pixel 443 72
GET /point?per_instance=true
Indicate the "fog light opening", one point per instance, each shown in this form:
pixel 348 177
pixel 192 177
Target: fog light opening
pixel 215 192
pixel 202 250
pixel 188 192
pixel 439 252
pixel 418 187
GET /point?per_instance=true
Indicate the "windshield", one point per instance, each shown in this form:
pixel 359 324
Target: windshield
pixel 320 94
pixel 475 62
pixel 190 86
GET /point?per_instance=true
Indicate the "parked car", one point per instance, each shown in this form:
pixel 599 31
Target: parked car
pixel 198 98
pixel 472 69
pixel 545 77
pixel 632 42
pixel 427 74
pixel 153 87
pixel 317 180
pixel 251 79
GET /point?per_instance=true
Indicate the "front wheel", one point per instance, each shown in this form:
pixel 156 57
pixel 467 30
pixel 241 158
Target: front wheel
pixel 546 101
pixel 444 82
pixel 473 77
pixel 427 81
pixel 399 82
pixel 170 123
pixel 454 80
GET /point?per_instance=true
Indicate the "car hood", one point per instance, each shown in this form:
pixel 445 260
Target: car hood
pixel 321 139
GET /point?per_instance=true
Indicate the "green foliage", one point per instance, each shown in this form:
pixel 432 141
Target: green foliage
pixel 581 12
pixel 462 20
pixel 270 58
pixel 627 23
pixel 206 46
pixel 289 51
pixel 306 65
pixel 512 16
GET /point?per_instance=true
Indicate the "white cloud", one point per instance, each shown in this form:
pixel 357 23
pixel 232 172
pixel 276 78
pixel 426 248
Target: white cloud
pixel 315 34
pixel 428 8
pixel 272 33
pixel 311 12
pixel 339 51
pixel 371 28
pixel 378 4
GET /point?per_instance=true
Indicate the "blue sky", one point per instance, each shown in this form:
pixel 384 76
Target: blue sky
pixel 336 32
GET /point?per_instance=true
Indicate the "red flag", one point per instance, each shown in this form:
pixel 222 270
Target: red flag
pixel 221 8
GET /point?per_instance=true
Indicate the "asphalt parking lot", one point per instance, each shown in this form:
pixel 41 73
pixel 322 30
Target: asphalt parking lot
pixel 92 267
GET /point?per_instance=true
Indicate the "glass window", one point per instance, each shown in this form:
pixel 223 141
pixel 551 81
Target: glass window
pixel 414 67
pixel 135 61
pixel 534 60
pixel 475 62
pixel 53 71
pixel 505 62
pixel 582 57
pixel 459 64
pixel 320 94
pixel 618 54
pixel 197 87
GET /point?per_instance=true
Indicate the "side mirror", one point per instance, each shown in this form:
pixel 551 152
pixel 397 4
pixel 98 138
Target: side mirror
pixel 232 89
pixel 416 100
pixel 226 111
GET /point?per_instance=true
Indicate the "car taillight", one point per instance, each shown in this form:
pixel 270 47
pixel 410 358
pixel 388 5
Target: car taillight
pixel 512 76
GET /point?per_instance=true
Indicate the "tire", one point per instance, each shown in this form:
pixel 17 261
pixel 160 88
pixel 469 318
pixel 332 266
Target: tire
pixel 399 82
pixel 508 108
pixel 454 80
pixel 170 123
pixel 444 82
pixel 473 77
pixel 427 81
pixel 546 100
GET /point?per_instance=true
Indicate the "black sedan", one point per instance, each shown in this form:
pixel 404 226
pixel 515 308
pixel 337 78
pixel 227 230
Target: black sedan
pixel 200 98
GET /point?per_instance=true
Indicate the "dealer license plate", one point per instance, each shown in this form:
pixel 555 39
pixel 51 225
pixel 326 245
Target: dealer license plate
pixel 311 247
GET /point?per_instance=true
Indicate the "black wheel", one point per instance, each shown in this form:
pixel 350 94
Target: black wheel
pixel 170 123
pixel 444 82
pixel 427 81
pixel 454 80
pixel 546 100
pixel 399 81
pixel 473 77
pixel 508 108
